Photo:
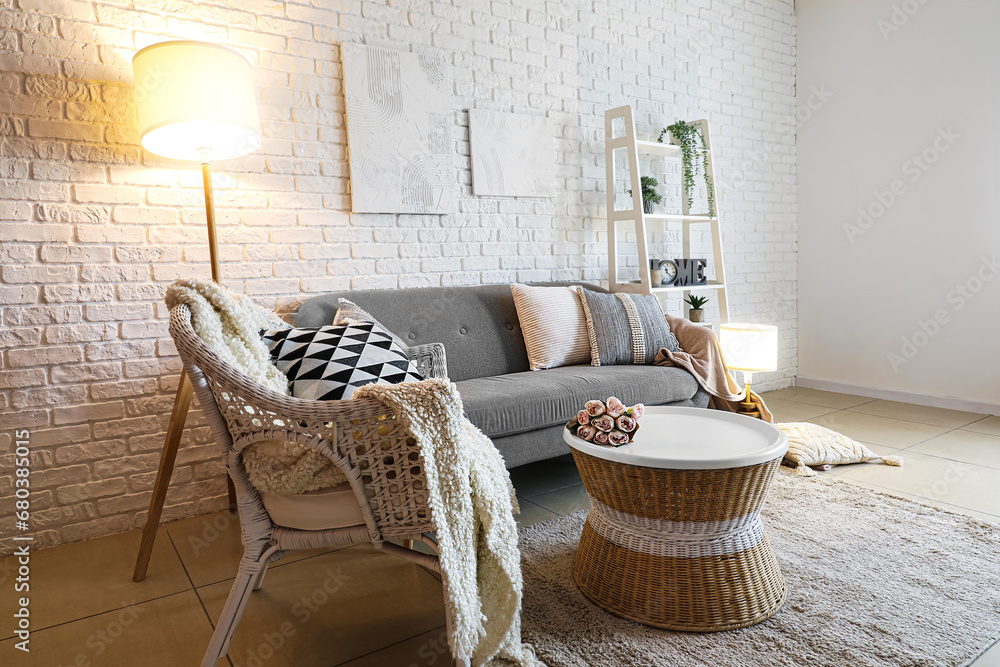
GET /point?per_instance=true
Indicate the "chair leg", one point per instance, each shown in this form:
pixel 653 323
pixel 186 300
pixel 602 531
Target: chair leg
pixel 236 604
pixel 407 544
pixel 260 578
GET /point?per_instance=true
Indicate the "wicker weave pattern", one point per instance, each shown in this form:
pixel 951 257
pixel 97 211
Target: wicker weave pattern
pixel 689 594
pixel 429 359
pixel 678 539
pixel 678 549
pixel 360 435
pixel 676 495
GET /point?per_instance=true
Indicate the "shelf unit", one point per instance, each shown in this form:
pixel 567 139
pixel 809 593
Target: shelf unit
pixel 634 147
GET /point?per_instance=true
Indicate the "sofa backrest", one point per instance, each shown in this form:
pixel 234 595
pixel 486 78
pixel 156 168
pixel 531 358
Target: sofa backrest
pixel 477 324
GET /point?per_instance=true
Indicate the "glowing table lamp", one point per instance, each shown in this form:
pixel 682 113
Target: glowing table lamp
pixel 195 101
pixel 751 348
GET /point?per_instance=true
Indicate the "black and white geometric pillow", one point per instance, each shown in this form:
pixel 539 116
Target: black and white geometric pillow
pixel 329 363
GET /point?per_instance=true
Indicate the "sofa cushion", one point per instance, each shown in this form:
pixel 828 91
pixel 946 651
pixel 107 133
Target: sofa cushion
pixel 518 402
pixel 555 330
pixel 625 328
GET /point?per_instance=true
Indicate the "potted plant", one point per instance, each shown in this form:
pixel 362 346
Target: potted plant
pixel 696 314
pixel 649 194
pixel 690 139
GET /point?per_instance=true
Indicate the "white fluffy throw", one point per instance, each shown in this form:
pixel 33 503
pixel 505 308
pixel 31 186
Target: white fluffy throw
pixel 230 325
pixel 472 503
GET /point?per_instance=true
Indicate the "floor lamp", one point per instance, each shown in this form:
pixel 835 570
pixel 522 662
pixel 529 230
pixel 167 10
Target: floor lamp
pixel 751 348
pixel 194 101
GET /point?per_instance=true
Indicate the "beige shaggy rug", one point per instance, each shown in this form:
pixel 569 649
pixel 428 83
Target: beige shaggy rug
pixel 873 580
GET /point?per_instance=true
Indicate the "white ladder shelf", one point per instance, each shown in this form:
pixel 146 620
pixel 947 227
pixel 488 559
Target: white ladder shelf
pixel 634 146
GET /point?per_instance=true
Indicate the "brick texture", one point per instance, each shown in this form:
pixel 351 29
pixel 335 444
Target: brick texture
pixel 93 229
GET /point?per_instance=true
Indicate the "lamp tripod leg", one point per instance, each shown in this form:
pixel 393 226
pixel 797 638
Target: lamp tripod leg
pixel 182 402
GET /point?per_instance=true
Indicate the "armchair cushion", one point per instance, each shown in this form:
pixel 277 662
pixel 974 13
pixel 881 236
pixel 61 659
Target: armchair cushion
pixel 336 507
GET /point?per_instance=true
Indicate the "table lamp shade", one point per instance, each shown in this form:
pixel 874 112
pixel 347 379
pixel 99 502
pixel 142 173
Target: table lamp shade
pixel 751 348
pixel 195 101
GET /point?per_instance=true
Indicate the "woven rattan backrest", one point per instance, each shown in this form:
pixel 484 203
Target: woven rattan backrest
pixel 361 436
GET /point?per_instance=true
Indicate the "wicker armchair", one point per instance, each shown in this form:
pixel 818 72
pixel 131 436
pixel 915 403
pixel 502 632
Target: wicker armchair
pixel 360 436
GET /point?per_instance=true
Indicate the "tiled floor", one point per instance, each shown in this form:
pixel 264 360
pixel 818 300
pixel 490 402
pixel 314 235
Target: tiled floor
pixel 361 608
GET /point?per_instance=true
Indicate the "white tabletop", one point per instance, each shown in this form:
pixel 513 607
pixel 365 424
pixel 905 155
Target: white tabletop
pixel 692 439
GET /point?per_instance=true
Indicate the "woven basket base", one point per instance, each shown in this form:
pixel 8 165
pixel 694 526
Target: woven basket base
pixel 705 594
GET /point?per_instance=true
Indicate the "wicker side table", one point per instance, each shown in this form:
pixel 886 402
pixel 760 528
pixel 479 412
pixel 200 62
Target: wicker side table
pixel 674 537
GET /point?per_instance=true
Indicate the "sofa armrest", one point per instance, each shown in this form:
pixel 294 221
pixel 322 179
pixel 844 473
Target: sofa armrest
pixel 429 359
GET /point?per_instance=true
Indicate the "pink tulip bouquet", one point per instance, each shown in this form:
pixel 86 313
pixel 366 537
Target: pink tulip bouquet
pixel 607 422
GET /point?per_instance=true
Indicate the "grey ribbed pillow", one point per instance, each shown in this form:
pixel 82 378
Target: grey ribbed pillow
pixel 625 328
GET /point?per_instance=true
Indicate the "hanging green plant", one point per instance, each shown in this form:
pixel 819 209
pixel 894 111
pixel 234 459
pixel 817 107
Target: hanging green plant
pixel 690 138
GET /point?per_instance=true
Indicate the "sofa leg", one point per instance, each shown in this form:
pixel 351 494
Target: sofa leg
pixel 236 604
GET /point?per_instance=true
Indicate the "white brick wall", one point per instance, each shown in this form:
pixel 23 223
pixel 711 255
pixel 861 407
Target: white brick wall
pixel 93 229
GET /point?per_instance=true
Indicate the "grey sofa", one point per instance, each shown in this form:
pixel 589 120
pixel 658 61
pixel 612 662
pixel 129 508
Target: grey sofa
pixel 521 410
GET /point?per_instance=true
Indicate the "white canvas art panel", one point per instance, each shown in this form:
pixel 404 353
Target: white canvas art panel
pixel 399 121
pixel 513 155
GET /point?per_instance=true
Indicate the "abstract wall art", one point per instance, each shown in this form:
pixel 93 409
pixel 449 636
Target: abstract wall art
pixel 513 155
pixel 399 121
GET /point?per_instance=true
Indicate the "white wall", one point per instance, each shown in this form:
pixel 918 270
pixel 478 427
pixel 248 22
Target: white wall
pixel 93 229
pixel 891 302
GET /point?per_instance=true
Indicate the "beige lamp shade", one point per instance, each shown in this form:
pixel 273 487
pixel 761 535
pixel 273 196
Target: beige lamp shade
pixel 195 101
pixel 751 348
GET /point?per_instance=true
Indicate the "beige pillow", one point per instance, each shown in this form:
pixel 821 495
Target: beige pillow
pixel 814 445
pixel 553 324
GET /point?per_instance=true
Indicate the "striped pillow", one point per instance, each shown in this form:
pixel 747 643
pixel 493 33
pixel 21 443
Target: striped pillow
pixel 625 328
pixel 555 330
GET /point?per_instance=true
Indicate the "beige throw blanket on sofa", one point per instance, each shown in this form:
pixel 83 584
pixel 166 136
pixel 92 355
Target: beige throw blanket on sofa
pixel 230 325
pixel 702 357
pixel 472 504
